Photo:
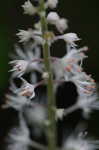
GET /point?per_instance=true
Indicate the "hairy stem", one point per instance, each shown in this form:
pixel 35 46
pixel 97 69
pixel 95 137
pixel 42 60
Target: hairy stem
pixel 51 127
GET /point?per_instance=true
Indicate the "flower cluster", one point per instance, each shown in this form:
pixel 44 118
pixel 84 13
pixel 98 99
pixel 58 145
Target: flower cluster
pixel 60 23
pixel 67 68
pixel 80 143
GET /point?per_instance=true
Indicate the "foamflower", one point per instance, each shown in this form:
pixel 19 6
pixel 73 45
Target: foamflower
pixel 27 89
pixel 70 64
pixel 60 23
pixel 26 35
pixel 88 104
pixel 79 143
pixel 52 3
pixel 35 114
pixel 19 67
pixel 86 87
pixel 69 38
pixel 29 8
pixel 85 84
pixel 52 17
pixel 27 60
pixel 15 101
pixel 19 137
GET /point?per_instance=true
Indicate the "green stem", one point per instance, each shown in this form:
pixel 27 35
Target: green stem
pixel 51 128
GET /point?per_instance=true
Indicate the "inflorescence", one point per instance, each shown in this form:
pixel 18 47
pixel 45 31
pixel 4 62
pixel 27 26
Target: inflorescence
pixel 67 68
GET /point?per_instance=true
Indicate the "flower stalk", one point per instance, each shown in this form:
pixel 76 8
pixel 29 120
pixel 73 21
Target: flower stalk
pixel 51 127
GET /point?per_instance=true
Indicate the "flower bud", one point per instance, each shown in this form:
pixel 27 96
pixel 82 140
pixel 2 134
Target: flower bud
pixel 52 3
pixel 62 25
pixel 52 18
pixel 29 8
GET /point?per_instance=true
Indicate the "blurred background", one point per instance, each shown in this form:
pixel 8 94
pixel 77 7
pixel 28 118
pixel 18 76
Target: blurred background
pixel 83 17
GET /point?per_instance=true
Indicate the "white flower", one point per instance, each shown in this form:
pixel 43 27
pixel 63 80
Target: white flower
pixel 87 104
pixel 74 56
pixel 31 60
pixel 38 39
pixel 85 84
pixel 19 137
pixel 69 65
pixel 19 67
pixel 52 3
pixel 26 89
pixel 86 88
pixel 79 143
pixel 58 69
pixel 70 38
pixel 62 25
pixel 35 114
pixel 26 35
pixel 29 8
pixel 63 69
pixel 15 101
pixel 54 19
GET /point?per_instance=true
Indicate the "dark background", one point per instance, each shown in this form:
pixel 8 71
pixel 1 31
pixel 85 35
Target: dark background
pixel 83 17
